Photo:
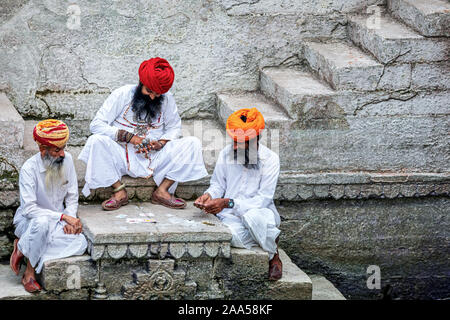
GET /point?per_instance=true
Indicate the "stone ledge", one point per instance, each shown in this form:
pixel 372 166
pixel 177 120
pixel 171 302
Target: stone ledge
pixel 396 42
pixel 293 285
pixel 429 17
pixel 291 187
pixel 322 289
pixel 147 230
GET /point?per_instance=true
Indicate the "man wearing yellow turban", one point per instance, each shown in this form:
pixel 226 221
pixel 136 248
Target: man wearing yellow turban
pixel 242 188
pixel 45 228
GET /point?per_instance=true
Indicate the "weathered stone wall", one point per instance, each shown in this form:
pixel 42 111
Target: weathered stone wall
pixel 51 70
pixel 407 238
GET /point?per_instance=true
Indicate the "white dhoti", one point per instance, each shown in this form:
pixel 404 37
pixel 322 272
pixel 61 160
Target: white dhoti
pixel 179 160
pixel 42 239
pixel 253 228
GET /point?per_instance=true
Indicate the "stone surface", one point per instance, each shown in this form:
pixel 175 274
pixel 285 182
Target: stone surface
pixel 292 88
pixel 246 277
pixel 229 103
pixel 245 264
pixel 322 289
pixel 72 273
pixel 343 66
pixel 391 41
pixel 6 247
pixel 10 284
pixel 11 124
pixel 293 285
pixel 159 281
pixel 361 143
pixel 429 17
pixel 6 220
pixel 267 7
pixel 65 62
pixel 431 76
pixel 406 237
pixel 292 185
pixel 348 147
pixel 110 233
pixel 316 106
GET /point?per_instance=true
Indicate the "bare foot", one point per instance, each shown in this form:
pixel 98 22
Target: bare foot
pixel 29 273
pixel 122 194
pixel 162 194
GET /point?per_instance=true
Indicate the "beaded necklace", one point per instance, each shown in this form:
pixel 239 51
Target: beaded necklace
pixel 140 128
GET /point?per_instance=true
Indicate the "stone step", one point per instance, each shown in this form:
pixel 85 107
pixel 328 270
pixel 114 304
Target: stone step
pixel 315 105
pixel 343 66
pixel 372 142
pixel 292 186
pixel 293 285
pixel 227 103
pixel 429 17
pixel 244 272
pixel 346 67
pixel 390 41
pixel 11 124
pixel 10 284
pixel 322 289
pixel 294 89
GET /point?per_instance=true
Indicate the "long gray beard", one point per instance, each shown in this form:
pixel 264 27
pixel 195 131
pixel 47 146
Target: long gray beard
pixel 55 174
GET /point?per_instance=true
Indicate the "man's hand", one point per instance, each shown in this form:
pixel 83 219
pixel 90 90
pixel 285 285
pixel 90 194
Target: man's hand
pixel 156 145
pixel 152 145
pixel 136 140
pixel 200 202
pixel 68 229
pixel 74 222
pixel 214 206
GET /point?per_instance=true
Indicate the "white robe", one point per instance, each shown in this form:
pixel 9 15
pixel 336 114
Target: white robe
pixel 253 220
pixel 37 220
pixel 107 160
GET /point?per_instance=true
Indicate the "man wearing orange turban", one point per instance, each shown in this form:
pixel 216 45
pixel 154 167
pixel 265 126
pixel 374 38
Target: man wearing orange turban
pixel 136 133
pixel 242 188
pixel 46 229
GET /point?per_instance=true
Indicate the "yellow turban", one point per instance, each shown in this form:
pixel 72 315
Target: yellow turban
pixel 50 132
pixel 245 124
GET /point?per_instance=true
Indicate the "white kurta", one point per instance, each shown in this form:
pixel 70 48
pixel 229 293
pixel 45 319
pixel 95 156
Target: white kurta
pixel 254 218
pixel 41 234
pixel 107 160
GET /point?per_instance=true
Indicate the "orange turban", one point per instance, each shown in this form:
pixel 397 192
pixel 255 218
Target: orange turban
pixel 156 74
pixel 52 133
pixel 245 124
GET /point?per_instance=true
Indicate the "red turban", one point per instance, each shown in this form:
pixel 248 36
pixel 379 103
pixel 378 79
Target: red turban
pixel 245 124
pixel 52 133
pixel 156 74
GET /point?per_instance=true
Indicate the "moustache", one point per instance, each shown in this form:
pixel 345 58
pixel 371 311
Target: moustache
pixel 59 160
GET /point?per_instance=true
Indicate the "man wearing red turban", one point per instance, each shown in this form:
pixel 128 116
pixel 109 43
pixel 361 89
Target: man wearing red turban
pixel 46 222
pixel 242 188
pixel 136 133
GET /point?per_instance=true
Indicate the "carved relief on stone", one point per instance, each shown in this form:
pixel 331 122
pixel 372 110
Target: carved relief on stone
pixel 159 281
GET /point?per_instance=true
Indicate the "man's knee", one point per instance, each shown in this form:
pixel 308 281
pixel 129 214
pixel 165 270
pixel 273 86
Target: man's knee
pixel 39 224
pixel 97 139
pixel 193 142
pixel 252 214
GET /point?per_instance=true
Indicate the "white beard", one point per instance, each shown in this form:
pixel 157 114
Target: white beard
pixel 55 175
